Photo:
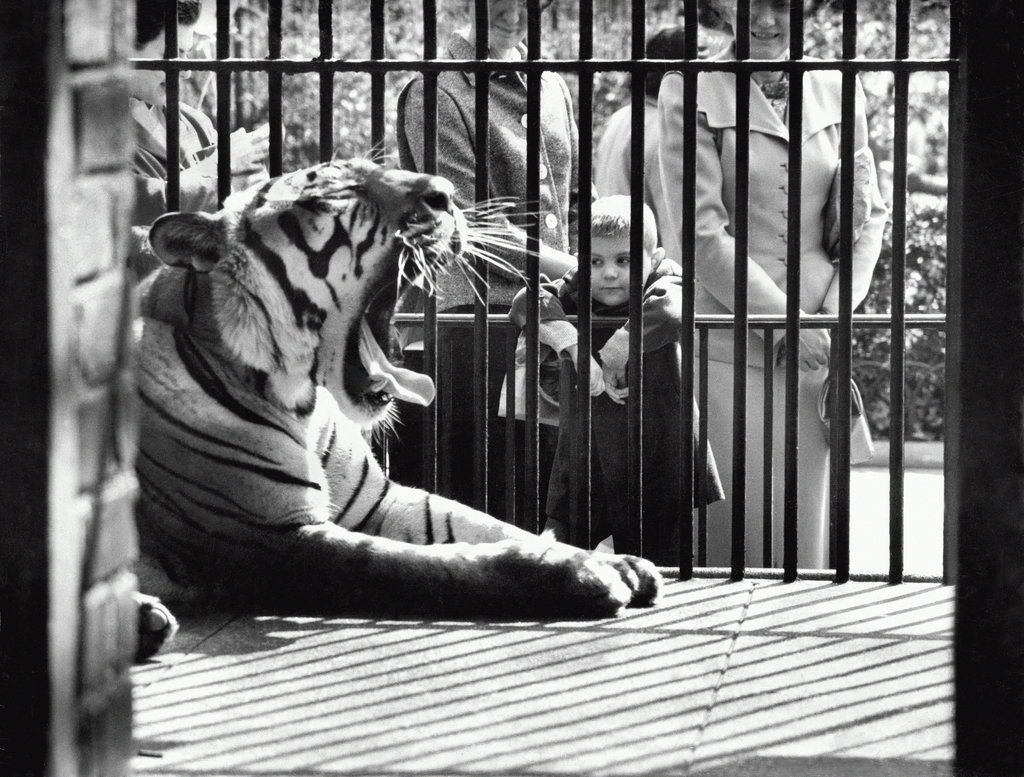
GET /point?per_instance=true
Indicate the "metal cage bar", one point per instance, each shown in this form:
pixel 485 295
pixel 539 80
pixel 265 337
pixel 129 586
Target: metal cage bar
pixel 740 333
pixel 580 523
pixel 481 274
pixel 325 22
pixel 223 102
pixel 690 459
pixel 634 401
pixel 898 332
pixel 533 509
pixel 173 87
pixel 430 331
pixel 791 477
pixel 275 113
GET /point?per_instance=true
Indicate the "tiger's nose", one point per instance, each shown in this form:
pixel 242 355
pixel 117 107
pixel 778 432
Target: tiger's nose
pixel 437 194
pixel 411 189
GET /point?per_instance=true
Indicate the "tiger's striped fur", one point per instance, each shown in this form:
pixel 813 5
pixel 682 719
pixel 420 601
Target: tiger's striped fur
pixel 256 481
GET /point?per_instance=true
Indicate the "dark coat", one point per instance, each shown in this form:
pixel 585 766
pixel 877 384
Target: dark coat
pixel 663 500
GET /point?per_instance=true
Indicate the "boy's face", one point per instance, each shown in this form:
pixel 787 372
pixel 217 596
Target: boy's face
pixel 609 269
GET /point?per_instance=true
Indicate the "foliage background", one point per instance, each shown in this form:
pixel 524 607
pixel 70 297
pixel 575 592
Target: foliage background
pixel 926 215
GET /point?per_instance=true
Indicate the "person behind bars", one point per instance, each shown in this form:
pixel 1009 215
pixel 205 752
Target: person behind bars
pixel 457 154
pixel 612 160
pixel 610 260
pixel 768 140
pixel 197 143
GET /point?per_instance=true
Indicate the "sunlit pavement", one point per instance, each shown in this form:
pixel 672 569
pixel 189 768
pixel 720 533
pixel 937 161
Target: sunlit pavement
pixel 922 520
pixel 751 678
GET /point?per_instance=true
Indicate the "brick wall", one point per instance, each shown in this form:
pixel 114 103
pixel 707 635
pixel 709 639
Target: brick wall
pixel 68 617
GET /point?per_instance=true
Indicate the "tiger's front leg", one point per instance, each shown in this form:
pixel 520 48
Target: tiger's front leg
pixel 445 556
pixel 493 562
pixel 530 576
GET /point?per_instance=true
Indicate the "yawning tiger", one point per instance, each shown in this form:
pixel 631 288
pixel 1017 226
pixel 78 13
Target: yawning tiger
pixel 261 361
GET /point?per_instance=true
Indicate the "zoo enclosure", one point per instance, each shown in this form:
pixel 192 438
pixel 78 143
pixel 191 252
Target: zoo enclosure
pixel 229 62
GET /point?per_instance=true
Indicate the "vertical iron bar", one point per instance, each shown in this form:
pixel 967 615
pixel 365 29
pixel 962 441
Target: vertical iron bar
pixel 989 627
pixel 841 372
pixel 482 297
pixel 582 450
pixel 326 22
pixel 897 331
pixel 954 296
pixel 768 491
pixel 172 84
pixel 377 79
pixel 430 338
pixel 740 335
pixel 533 84
pixel 634 402
pixel 223 102
pixel 794 208
pixel 275 115
pixel 702 452
pixel 689 483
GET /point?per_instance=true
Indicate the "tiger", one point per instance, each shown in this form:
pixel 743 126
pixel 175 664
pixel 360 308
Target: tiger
pixel 262 363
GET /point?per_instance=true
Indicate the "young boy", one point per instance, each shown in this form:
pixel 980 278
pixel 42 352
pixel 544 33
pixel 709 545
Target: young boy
pixel 609 385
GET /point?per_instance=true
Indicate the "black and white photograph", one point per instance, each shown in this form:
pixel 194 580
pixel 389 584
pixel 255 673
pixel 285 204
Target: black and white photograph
pixel 493 388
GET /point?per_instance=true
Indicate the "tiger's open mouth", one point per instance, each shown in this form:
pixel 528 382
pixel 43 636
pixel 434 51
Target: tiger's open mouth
pixel 370 378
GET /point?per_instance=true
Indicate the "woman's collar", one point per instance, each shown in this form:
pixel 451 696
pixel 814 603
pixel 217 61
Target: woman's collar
pixel 467 45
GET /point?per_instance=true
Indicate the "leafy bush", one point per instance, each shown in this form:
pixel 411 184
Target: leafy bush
pixel 924 348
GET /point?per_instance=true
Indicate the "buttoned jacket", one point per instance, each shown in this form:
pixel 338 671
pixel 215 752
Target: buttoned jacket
pixel 506 159
pixel 769 138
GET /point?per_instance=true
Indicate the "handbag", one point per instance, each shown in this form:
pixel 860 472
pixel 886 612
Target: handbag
pixel 862 448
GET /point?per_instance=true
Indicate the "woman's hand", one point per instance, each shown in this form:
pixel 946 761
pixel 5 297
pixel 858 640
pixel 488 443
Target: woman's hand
pixel 815 349
pixel 248 150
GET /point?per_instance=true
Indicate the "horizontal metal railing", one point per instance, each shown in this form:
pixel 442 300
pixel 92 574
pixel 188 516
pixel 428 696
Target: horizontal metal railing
pixel 703 323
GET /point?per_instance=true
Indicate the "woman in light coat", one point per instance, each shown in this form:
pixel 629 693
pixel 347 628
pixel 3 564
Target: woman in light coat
pixel 715 269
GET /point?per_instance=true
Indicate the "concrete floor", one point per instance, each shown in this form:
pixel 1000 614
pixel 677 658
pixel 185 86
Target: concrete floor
pixel 733 679
pixel 750 678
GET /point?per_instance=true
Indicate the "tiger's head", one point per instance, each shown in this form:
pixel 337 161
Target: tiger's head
pixel 303 277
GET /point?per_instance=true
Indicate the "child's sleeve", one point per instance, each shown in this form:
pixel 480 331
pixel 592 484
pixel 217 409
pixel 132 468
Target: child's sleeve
pixel 553 329
pixel 662 314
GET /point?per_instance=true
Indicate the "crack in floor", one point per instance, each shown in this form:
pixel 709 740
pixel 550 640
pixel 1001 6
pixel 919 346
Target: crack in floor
pixel 719 682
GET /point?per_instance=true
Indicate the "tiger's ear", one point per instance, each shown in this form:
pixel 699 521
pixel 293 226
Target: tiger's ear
pixel 182 239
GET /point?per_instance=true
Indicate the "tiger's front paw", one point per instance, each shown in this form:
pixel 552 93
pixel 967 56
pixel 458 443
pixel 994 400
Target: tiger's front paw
pixel 157 626
pixel 578 582
pixel 609 583
pixel 641 577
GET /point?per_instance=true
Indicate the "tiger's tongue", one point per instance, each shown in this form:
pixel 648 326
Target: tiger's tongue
pixel 384 376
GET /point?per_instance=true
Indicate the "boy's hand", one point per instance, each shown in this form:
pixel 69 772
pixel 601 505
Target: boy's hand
pixel 597 385
pixel 615 384
pixel 596 375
